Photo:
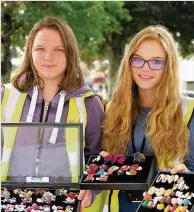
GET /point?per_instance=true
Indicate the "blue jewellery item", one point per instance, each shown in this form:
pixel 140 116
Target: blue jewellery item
pixel 186 202
pixel 100 172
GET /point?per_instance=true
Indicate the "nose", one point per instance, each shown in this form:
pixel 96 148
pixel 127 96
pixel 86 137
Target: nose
pixel 48 55
pixel 146 66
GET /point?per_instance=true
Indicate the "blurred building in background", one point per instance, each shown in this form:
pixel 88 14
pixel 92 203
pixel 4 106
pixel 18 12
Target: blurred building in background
pixel 187 76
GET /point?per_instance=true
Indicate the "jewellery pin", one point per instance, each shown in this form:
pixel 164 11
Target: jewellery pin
pixel 97 158
pixel 112 169
pixel 102 178
pixel 139 157
pixel 60 192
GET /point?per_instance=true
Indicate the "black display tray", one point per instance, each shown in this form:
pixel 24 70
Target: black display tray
pixel 58 202
pixel 189 179
pixel 140 181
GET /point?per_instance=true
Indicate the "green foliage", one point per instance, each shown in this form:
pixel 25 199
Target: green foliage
pixel 90 21
pixel 177 16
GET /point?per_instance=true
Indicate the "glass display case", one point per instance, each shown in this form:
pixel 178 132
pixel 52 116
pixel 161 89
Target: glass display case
pixel 41 165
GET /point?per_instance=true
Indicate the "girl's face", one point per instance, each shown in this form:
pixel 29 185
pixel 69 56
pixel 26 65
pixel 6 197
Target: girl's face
pixel 148 75
pixel 48 55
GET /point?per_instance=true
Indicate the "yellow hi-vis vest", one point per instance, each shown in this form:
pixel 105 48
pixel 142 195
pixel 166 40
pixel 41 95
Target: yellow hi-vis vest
pixel 107 201
pixel 11 111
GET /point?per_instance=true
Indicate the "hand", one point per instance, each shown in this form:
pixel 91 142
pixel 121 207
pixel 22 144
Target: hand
pixel 86 197
pixel 181 168
pixel 104 153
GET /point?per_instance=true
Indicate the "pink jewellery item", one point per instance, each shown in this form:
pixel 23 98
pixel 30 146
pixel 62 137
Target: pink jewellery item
pixel 90 171
pixel 123 169
pixel 161 178
pixel 108 158
pixel 40 191
pixel 72 195
pixel 120 158
pixel 174 207
pixel 93 166
pixel 176 177
pixel 103 166
pixel 48 197
pixel 133 169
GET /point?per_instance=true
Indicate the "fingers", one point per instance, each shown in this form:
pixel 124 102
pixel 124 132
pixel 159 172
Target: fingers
pixel 81 194
pixel 86 201
pixel 104 153
pixel 181 168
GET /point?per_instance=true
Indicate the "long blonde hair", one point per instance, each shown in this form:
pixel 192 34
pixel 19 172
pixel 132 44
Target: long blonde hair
pixel 165 126
pixel 26 76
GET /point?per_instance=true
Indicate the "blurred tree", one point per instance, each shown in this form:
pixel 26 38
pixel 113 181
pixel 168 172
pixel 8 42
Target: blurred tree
pixel 177 16
pixel 89 21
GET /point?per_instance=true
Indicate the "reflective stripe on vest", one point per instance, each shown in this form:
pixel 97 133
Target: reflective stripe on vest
pixel 187 107
pixel 71 135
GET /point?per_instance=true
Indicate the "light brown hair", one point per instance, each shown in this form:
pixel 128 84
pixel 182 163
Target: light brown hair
pixel 165 126
pixel 26 76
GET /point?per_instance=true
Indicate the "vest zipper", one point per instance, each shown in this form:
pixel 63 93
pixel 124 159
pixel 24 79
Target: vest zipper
pixel 40 140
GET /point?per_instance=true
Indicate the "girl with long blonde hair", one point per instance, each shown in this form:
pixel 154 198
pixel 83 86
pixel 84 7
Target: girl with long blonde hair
pixel 147 112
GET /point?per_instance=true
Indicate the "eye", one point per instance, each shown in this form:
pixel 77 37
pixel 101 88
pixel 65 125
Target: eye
pixel 136 59
pixel 40 49
pixel 157 62
pixel 59 50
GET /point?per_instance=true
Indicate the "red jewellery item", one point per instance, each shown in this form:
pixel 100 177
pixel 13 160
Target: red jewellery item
pixel 103 166
pixel 120 158
pixel 72 195
pixel 108 158
pixel 134 167
pixel 124 168
pixel 91 171
pixel 40 191
pixel 93 166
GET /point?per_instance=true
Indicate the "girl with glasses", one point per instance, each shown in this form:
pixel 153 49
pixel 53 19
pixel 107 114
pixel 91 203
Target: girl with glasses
pixel 147 103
